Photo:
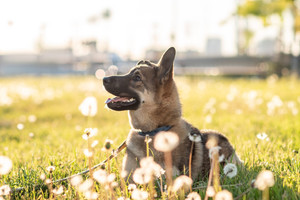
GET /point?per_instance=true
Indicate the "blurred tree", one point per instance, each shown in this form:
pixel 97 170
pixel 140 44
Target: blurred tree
pixel 265 9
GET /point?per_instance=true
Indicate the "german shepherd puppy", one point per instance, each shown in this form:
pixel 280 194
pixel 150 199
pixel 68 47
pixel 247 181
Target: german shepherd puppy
pixel 150 95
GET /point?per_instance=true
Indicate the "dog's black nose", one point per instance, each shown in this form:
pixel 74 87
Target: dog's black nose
pixel 106 80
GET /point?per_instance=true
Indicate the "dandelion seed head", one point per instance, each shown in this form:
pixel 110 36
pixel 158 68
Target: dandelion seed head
pixel 100 73
pixel 124 173
pixel 5 190
pixel 221 158
pixel 142 176
pixel 264 179
pixel 111 178
pixel 182 182
pixel 166 141
pixel 20 126
pixel 86 185
pixel 195 137
pixel 208 119
pixel 50 169
pixel 48 181
pixel 58 191
pixel 131 187
pixel 76 180
pixel 148 140
pixel 88 133
pixel 224 195
pixel 114 184
pixel 139 194
pixel 43 176
pixel 210 191
pixel 89 107
pixel 150 165
pixel 262 136
pixel 108 144
pixel 193 196
pixel 100 176
pixel 214 150
pixel 31 135
pixel 94 144
pixel 5 165
pixel 32 118
pixel 230 170
pixel 91 195
pixel 88 153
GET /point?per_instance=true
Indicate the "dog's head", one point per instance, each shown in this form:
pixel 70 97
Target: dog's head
pixel 141 83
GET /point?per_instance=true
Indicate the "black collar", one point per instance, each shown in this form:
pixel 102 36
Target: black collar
pixel 155 131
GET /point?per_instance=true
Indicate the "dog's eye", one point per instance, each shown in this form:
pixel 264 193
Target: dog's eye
pixel 137 78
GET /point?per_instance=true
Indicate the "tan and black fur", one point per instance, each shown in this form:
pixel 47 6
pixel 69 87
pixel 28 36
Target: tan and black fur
pixel 149 92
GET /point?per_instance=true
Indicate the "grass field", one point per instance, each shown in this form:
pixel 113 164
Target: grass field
pixel 41 126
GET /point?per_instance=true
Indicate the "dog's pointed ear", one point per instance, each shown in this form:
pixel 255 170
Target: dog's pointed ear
pixel 166 64
pixel 140 62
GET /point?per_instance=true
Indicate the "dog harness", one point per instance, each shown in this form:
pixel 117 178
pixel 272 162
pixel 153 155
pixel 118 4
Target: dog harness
pixel 155 131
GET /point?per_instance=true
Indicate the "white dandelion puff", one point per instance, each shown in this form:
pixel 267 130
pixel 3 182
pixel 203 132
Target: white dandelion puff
pixel 43 176
pixel 264 179
pixel 150 165
pixel 139 195
pixel 166 141
pixel 5 190
pixel 31 135
pixel 91 195
pixel 88 133
pixel 214 150
pixel 193 196
pixel 230 170
pixel 20 126
pixel 262 136
pixel 100 176
pixel 210 191
pixel 182 182
pixel 111 178
pixel 224 195
pixel 142 176
pixel 194 137
pixel 76 180
pixel 88 153
pixel 131 187
pixel 86 185
pixel 221 158
pixel 32 118
pixel 94 144
pixel 5 165
pixel 58 191
pixel 88 107
pixel 50 169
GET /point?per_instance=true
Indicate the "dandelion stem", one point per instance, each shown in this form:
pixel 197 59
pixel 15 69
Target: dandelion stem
pixel 190 163
pixel 216 173
pixel 147 145
pixel 168 163
pixel 265 194
pixel 209 178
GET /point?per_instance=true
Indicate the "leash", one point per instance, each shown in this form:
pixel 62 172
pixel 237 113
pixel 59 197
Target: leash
pixel 114 154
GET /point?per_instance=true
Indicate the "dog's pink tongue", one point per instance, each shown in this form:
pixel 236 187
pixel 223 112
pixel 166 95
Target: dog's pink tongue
pixel 116 99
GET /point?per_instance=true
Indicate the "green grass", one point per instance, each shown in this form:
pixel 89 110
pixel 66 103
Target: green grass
pixel 236 107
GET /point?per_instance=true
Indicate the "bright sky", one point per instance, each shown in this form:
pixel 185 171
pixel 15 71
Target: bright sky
pixel 134 26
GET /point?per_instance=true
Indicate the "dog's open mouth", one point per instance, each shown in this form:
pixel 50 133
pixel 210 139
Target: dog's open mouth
pixel 121 103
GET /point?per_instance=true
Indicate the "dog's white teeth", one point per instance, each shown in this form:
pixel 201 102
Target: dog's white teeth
pixel 132 99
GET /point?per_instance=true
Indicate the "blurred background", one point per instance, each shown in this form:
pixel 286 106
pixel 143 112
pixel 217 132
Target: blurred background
pixel 232 37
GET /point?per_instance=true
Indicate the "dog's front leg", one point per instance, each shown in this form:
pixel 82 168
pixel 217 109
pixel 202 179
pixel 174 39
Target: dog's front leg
pixel 130 163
